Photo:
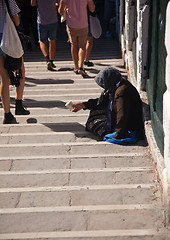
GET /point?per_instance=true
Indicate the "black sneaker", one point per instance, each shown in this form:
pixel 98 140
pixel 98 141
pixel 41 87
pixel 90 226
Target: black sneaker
pixel 88 63
pixel 9 119
pixel 21 110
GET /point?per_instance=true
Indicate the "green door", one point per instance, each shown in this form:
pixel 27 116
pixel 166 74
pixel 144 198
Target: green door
pixel 157 57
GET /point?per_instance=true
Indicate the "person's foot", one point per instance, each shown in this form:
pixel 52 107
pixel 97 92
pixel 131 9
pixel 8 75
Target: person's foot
pixel 76 71
pixel 49 66
pixel 21 111
pixel 88 63
pixel 9 119
pixel 82 72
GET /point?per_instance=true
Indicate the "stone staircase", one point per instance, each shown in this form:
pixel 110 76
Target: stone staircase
pixel 57 181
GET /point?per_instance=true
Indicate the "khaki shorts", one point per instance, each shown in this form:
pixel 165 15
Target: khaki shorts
pixel 77 35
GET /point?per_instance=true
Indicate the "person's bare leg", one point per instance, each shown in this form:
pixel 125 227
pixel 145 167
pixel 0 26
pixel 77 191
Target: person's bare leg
pixel 89 46
pixel 5 81
pixel 82 52
pixel 74 53
pixel 44 48
pixel 52 49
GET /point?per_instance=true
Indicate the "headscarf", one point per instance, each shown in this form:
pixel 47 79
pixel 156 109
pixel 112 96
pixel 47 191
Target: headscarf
pixel 108 78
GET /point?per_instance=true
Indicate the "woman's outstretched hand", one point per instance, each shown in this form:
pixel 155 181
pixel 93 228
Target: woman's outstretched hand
pixel 77 107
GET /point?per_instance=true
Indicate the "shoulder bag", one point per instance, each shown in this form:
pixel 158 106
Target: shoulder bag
pixel 10 43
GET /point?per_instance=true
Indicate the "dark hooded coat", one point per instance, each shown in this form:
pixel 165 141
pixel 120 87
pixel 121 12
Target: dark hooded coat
pixel 126 106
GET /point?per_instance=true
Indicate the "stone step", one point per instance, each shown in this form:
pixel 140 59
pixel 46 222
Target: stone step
pixel 70 177
pixel 131 234
pixel 55 95
pixel 66 162
pixel 53 118
pixel 77 195
pixel 46 127
pixel 99 217
pixel 64 65
pixel 30 103
pixel 46 137
pixel 63 98
pixel 45 149
pixel 60 85
pixel 60 110
pixel 60 92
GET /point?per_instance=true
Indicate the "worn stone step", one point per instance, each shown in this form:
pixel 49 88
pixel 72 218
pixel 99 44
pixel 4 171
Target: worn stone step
pixel 53 96
pixel 105 217
pixel 60 85
pixel 70 177
pixel 45 149
pixel 46 137
pixel 60 92
pixel 75 195
pixel 46 127
pixel 131 234
pixel 64 162
pixel 111 61
pixel 53 118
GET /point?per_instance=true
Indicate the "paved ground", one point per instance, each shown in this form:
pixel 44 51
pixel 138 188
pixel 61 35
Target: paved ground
pixel 57 181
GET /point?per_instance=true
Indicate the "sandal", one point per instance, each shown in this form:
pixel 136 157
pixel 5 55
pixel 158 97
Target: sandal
pixel 76 71
pixel 82 72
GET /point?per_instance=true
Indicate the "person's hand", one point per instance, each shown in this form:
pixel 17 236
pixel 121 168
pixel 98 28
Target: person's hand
pixel 77 107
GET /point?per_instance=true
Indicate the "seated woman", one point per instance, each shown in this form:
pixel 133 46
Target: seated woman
pixel 118 109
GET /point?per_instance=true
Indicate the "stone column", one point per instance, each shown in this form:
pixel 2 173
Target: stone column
pixel 142 42
pixel 166 117
pixel 129 23
pixel 121 19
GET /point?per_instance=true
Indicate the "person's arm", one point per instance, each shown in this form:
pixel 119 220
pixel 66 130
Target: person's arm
pixel 16 20
pixel 77 107
pixel 91 104
pixel 57 4
pixel 91 6
pixel 62 7
pixel 33 3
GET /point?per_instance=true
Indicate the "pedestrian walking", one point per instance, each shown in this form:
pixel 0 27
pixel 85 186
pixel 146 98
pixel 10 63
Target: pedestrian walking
pixel 77 29
pixel 5 80
pixel 47 20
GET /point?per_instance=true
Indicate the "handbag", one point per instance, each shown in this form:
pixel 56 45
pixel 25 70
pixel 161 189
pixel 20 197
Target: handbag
pixel 10 43
pixel 96 121
pixel 95 27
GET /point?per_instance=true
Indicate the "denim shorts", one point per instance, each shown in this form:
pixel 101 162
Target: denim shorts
pixel 47 32
pixel 1 52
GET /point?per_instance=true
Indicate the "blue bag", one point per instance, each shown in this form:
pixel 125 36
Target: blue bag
pixel 125 141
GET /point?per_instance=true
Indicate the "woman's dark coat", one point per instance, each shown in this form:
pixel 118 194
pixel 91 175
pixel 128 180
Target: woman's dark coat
pixel 126 114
